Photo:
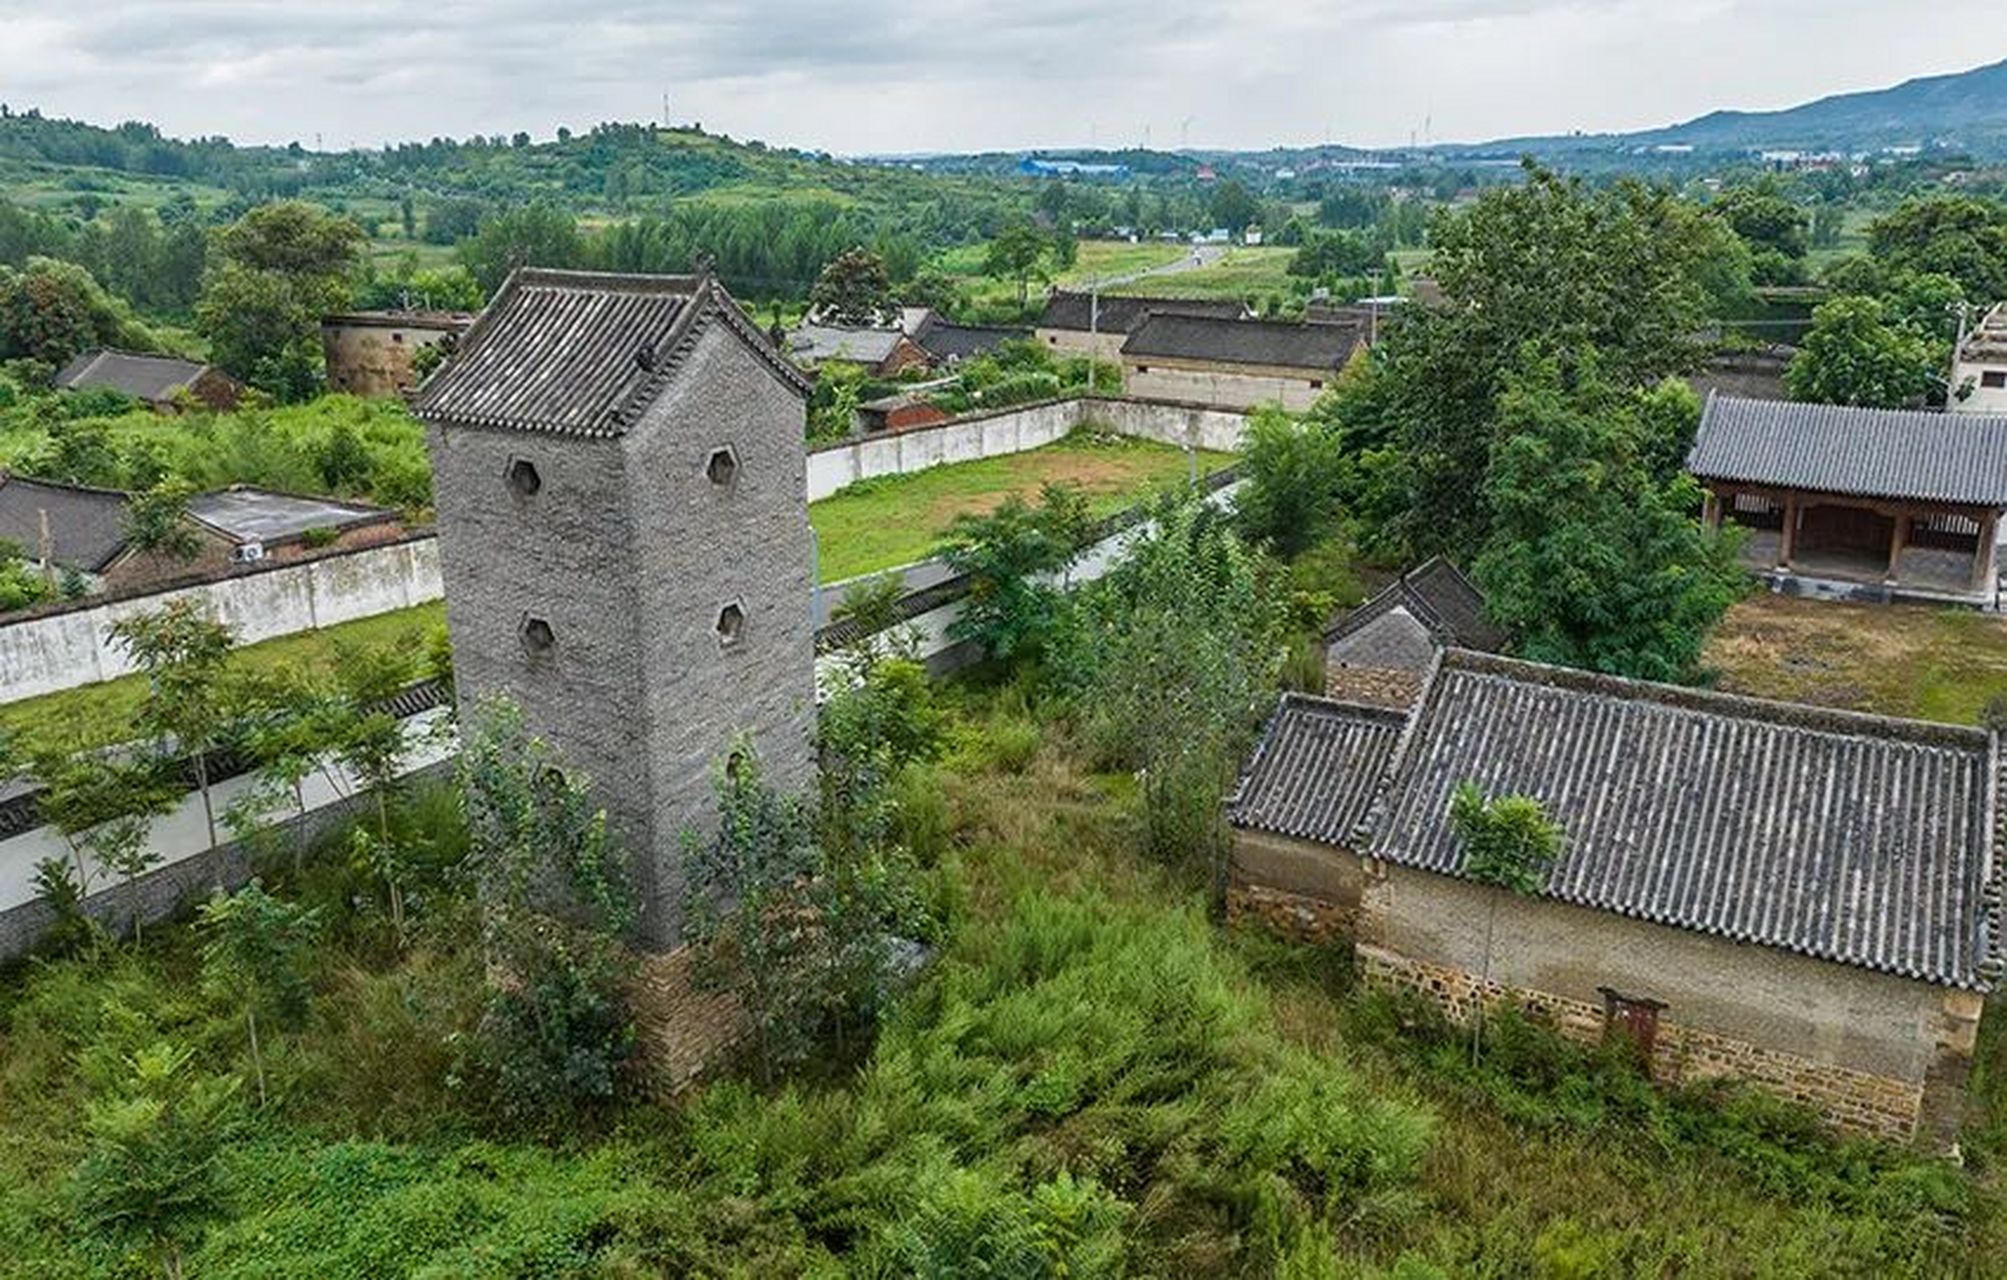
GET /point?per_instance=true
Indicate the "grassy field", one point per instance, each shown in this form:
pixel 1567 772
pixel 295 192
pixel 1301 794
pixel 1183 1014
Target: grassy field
pixel 897 520
pixel 1897 660
pixel 1085 1052
pixel 94 714
pixel 1241 272
pixel 1097 260
pixel 870 526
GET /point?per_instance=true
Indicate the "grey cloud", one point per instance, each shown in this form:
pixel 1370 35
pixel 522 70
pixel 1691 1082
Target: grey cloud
pixel 898 75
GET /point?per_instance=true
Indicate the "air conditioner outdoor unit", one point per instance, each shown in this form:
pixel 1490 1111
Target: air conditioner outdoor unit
pixel 249 553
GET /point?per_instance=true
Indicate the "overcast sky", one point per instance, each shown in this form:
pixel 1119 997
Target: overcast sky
pixel 895 75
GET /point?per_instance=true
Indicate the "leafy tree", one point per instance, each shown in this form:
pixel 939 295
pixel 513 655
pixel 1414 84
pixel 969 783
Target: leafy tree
pixel 21 583
pixel 150 1175
pixel 1173 658
pixel 1591 561
pixel 555 900
pixel 1630 271
pixel 1011 557
pixel 273 274
pixel 853 290
pixel 1510 844
pixel 1017 253
pixel 104 807
pixel 1293 470
pixel 1957 236
pixel 537 235
pixel 156 522
pixel 1764 217
pixel 183 653
pixel 257 954
pixel 51 311
pixel 1232 206
pixel 1853 355
pixel 934 289
pixel 343 461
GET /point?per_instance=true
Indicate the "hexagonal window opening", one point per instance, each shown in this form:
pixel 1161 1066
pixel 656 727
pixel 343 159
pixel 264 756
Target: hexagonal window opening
pixel 523 477
pixel 731 625
pixel 538 636
pixel 723 466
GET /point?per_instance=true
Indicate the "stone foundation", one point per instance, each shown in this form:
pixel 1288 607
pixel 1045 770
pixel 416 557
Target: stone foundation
pixel 1851 1101
pixel 1288 914
pixel 682 1032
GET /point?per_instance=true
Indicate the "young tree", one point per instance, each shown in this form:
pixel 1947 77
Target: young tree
pixel 1509 843
pixel 1293 469
pixel 1591 561
pixel 256 954
pixel 156 522
pixel 1853 355
pixel 150 1173
pixel 555 900
pixel 1011 557
pixel 1173 658
pixel 184 654
pixel 853 290
pixel 1016 254
pixel 104 807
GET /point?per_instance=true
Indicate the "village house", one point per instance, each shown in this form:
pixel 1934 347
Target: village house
pixel 900 411
pixel 621 479
pixel 1979 369
pixel 1799 898
pixel 372 353
pixel 84 532
pixel 948 343
pixel 1235 364
pixel 1097 324
pixel 882 353
pixel 1379 653
pixel 163 383
pixel 1871 503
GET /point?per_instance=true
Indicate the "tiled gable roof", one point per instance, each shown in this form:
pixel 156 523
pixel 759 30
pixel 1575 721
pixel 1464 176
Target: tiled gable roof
pixel 1119 313
pixel 153 379
pixel 1322 347
pixel 86 526
pixel 1317 768
pixel 1846 837
pixel 1438 596
pixel 581 353
pixel 947 341
pixel 1850 838
pixel 816 342
pixel 1880 453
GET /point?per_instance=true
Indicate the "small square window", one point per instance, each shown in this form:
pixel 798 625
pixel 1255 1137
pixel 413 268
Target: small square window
pixel 1316 385
pixel 1142 368
pixel 1993 378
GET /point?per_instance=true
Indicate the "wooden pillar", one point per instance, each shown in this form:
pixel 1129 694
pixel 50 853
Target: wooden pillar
pixel 1787 546
pixel 1897 541
pixel 1983 555
pixel 1710 510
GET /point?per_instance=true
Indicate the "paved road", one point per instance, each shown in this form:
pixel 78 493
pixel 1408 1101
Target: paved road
pixel 1202 255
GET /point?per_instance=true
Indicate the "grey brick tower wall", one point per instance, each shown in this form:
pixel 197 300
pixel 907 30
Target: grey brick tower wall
pixel 670 489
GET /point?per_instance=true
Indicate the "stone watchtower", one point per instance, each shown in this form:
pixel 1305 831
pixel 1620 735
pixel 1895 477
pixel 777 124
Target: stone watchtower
pixel 620 477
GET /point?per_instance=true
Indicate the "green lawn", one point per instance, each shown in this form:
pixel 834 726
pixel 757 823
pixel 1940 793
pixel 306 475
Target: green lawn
pixel 1241 273
pixel 1897 660
pixel 875 525
pixel 895 520
pixel 94 714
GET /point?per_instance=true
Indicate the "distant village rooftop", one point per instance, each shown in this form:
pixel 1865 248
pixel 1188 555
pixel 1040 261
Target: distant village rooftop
pixel 1119 313
pixel 1264 343
pixel 154 379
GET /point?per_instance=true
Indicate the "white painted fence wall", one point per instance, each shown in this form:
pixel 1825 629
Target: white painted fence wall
pixel 1007 431
pixel 74 647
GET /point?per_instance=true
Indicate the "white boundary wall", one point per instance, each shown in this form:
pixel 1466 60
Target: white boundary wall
pixel 1017 430
pixel 74 647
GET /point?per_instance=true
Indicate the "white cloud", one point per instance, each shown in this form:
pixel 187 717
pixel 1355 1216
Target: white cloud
pixel 958 74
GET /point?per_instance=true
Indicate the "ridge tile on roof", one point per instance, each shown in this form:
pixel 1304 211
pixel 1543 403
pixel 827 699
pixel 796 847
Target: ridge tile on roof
pixel 1956 458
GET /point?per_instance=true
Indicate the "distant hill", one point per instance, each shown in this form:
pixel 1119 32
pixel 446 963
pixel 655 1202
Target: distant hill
pixel 1966 110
